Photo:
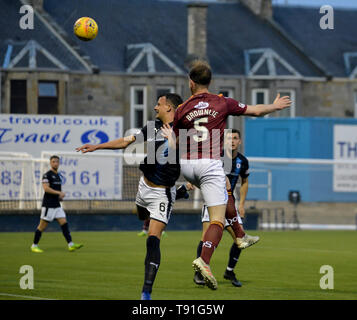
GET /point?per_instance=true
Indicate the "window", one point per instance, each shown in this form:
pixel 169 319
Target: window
pixel 229 93
pixel 137 107
pixel 47 89
pixel 163 90
pixel 48 97
pixel 355 98
pixel 289 112
pixel 260 96
pixel 18 96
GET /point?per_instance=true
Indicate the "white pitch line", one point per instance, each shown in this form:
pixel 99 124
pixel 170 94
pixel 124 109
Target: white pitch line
pixel 27 297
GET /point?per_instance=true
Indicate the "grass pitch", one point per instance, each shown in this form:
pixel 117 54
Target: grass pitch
pixel 282 266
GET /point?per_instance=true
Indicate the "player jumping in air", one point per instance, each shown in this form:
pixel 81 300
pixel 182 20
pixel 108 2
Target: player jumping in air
pixel 203 117
pixel 156 192
pixel 51 207
pixel 238 168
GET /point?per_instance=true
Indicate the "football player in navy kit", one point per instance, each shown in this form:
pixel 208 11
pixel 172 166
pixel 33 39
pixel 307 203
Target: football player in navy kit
pixel 238 168
pixel 156 192
pixel 51 207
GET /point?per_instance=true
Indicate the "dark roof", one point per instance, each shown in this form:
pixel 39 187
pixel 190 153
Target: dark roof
pixel 122 23
pixel 231 29
pixel 11 33
pixel 326 46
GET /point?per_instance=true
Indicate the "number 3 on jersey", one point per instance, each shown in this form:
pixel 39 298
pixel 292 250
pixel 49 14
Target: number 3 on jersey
pixel 200 128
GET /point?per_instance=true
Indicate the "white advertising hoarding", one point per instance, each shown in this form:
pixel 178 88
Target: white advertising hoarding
pixel 345 148
pixel 84 176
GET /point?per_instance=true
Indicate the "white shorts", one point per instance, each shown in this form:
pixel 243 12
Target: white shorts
pixel 158 201
pixel 209 176
pixel 205 217
pixel 48 214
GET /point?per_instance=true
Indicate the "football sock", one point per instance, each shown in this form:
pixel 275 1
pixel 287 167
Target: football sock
pixel 232 217
pixel 66 233
pixel 146 224
pixel 37 237
pixel 233 256
pixel 152 262
pixel 211 240
pixel 199 249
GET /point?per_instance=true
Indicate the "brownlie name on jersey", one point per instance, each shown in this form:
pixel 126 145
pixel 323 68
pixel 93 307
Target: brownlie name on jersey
pixel 203 112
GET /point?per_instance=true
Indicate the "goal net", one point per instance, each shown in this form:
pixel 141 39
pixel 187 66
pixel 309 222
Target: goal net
pixel 109 180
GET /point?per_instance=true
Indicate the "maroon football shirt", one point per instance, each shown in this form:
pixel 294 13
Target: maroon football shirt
pixel 204 116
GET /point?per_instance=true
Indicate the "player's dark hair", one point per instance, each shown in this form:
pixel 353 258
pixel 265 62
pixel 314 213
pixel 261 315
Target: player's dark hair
pixel 236 131
pixel 200 73
pixel 54 157
pixel 173 99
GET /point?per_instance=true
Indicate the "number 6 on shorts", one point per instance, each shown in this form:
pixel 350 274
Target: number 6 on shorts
pixel 162 207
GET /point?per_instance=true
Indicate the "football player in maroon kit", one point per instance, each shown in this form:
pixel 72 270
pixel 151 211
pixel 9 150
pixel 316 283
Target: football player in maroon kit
pixel 198 129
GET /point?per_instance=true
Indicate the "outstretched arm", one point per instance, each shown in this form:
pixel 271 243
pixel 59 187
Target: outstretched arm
pixel 260 110
pixel 120 143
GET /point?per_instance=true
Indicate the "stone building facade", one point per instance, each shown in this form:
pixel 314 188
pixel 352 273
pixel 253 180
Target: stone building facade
pixel 74 81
